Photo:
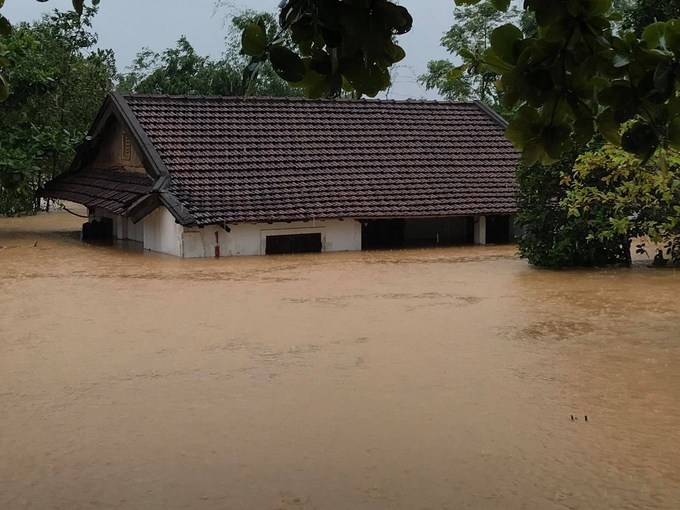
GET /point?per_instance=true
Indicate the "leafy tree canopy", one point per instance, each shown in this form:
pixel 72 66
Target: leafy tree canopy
pixel 181 70
pixel 575 78
pixel 58 83
pixel 5 31
pixel 637 14
pixel 586 209
pixel 550 236
pixel 336 45
pixel 616 196
pixel 470 35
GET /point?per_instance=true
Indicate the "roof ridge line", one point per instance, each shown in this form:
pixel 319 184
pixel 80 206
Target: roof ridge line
pixel 196 97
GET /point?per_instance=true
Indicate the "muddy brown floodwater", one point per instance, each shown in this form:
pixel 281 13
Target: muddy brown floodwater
pixel 424 379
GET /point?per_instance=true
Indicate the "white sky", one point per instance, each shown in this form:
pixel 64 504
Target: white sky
pixel 126 26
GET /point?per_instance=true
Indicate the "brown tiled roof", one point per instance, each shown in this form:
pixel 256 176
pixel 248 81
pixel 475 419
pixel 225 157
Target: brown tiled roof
pixel 235 160
pixel 114 190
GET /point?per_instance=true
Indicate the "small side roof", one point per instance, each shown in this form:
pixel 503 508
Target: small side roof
pixel 115 190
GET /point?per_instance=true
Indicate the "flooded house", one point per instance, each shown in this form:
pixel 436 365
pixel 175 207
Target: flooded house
pixel 214 176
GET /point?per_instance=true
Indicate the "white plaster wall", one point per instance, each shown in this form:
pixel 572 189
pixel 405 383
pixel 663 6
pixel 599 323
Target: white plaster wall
pixel 250 239
pixel 135 231
pixel 161 233
pixel 120 227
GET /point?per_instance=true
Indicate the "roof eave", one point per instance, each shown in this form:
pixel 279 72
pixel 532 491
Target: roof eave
pixel 498 119
pixel 177 209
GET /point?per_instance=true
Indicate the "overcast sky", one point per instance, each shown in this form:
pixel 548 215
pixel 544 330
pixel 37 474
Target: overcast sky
pixel 127 26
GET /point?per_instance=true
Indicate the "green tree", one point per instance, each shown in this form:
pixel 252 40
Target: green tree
pixel 58 84
pixel 5 31
pixel 567 225
pixel 268 83
pixel 638 14
pixel 469 35
pixel 335 46
pixel 586 209
pixel 576 78
pixel 619 198
pixel 551 237
pixel 181 70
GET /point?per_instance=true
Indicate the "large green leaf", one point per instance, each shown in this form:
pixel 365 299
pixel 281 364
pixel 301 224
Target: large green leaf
pixel 664 82
pixel 254 40
pixel 397 18
pixel 502 42
pixel 287 64
pixel 78 6
pixel 5 26
pixel 654 34
pixel 674 132
pixel 555 140
pixel 368 80
pixel 608 126
pixel 4 89
pixel 584 129
pixel 640 139
pixel 396 53
pixel 523 127
pixel 496 64
pixel 318 85
pixel 550 12
pixel 673 36
pixel 599 7
pixel 501 5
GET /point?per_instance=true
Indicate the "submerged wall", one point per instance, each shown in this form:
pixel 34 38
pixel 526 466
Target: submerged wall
pixel 160 232
pixel 251 239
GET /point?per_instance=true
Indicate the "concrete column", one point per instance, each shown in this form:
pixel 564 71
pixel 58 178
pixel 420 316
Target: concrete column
pixel 480 229
pixel 121 227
